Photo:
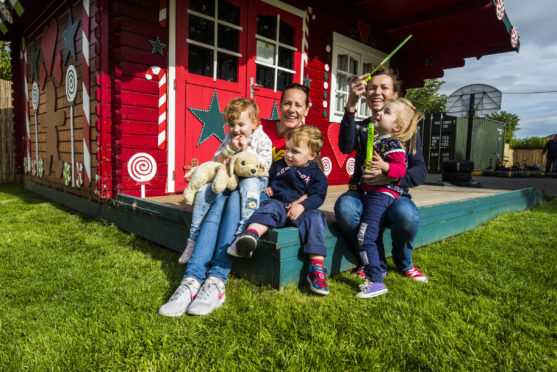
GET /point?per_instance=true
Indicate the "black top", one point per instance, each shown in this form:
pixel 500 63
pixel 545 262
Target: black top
pixel 551 148
pixel 353 136
pixel 290 183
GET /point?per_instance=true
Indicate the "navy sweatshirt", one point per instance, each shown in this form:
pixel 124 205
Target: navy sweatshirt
pixel 353 136
pixel 290 183
pixel 551 148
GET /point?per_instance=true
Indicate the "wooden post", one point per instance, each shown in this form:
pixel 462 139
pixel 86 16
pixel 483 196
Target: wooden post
pixel 7 151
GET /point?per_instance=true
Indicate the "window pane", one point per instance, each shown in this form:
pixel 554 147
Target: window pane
pixel 227 67
pixel 364 110
pixel 283 79
pixel 265 52
pixel 229 12
pixel 342 62
pixel 341 101
pixel 200 61
pixel 203 6
pixel 286 33
pixel 228 38
pixel 342 82
pixel 265 76
pixel 353 66
pixel 267 26
pixel 286 58
pixel 366 68
pixel 201 30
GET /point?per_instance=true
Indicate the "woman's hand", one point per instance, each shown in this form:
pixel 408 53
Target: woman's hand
pixel 269 191
pixel 357 88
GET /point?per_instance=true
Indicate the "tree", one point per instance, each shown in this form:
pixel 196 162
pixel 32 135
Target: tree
pixel 427 99
pixel 510 120
pixel 5 61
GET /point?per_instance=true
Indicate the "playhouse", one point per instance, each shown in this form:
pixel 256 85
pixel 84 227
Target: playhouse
pixel 123 97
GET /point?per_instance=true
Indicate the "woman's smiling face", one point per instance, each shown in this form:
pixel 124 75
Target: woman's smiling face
pixel 379 90
pixel 293 108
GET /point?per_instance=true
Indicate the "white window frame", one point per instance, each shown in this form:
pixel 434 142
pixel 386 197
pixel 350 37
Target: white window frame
pixel 277 44
pixel 365 53
pixel 216 22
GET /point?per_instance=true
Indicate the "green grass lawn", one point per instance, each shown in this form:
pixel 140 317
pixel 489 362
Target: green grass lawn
pixel 78 294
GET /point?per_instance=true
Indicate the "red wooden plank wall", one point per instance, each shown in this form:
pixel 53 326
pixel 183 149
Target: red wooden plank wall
pixel 134 98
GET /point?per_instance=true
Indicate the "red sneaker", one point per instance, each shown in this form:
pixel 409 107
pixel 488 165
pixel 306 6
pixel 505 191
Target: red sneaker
pixel 416 274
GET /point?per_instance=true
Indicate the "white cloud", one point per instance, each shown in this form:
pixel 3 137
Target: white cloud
pixel 533 69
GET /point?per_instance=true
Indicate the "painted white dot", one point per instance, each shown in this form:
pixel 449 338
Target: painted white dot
pixel 327 67
pixel 324 104
pixel 326 85
pixel 313 17
pixel 328 48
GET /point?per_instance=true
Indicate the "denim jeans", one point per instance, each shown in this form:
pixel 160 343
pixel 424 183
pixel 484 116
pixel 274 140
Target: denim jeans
pixel 403 218
pixel 250 192
pixel 370 234
pixel 311 224
pixel 217 233
pixel 204 199
pixel 548 165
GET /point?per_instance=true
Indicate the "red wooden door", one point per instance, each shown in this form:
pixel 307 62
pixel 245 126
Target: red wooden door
pixel 226 49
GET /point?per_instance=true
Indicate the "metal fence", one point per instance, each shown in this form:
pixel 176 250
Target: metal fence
pixel 7 159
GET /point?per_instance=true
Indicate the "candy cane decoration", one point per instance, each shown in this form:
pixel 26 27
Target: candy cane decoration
pixel 86 76
pixel 27 124
pixel 162 13
pixel 161 75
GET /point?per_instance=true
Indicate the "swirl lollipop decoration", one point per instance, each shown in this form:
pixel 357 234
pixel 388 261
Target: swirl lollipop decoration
pixel 350 164
pixel 142 168
pixel 71 92
pixel 327 165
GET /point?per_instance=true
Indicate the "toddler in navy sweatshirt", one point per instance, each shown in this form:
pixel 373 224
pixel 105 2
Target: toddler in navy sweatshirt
pixel 297 187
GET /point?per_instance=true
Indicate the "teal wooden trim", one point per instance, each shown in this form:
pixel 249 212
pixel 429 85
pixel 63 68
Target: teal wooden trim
pixel 278 260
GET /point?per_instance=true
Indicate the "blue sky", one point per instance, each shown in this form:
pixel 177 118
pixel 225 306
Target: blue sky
pixel 533 69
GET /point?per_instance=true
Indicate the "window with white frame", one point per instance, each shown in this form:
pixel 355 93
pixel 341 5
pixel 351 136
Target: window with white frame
pixel 214 38
pixel 275 52
pixel 350 59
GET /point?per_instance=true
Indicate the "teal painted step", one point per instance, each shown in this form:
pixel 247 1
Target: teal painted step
pixel 278 260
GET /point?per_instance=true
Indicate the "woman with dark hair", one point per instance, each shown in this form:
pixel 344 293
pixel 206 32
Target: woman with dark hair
pixel 402 216
pixel 210 264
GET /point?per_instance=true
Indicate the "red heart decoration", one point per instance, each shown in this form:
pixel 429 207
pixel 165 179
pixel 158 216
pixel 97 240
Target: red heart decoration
pixel 332 134
pixel 49 44
pixel 57 70
pixel 365 31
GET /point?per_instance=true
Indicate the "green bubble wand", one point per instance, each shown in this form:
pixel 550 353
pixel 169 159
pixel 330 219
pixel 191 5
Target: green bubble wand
pixel 387 58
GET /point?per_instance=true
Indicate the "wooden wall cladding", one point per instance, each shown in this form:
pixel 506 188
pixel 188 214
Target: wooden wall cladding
pixel 54 47
pixel 135 99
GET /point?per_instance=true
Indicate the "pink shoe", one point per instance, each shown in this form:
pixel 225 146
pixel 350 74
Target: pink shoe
pixel 416 274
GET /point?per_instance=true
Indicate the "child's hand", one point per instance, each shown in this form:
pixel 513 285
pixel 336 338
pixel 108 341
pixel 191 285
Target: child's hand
pixel 269 191
pixel 243 142
pixel 294 210
pixel 378 163
pixel 235 143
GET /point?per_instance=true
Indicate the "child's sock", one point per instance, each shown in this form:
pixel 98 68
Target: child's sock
pixel 251 232
pixel 317 276
pixel 317 261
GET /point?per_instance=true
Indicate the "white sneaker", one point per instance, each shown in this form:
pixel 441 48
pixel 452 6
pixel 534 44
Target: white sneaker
pixel 210 297
pixel 181 299
pixel 186 255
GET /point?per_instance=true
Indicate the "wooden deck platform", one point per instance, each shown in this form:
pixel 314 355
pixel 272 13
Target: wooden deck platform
pixel 444 212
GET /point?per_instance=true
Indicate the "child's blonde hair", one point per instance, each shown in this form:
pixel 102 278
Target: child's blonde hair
pixel 407 118
pixel 308 134
pixel 239 105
